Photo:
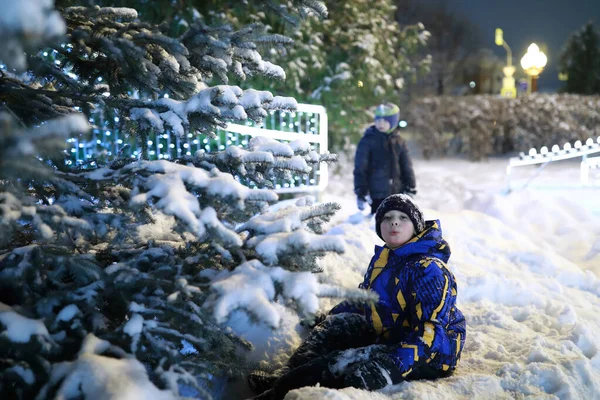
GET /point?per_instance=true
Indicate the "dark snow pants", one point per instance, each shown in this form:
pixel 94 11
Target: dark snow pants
pixel 336 332
pixel 319 357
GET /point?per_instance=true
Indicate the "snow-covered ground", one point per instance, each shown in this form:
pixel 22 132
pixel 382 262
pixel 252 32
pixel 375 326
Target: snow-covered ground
pixel 527 265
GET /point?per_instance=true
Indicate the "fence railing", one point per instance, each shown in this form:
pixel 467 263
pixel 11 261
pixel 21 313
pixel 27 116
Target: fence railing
pixel 587 165
pixel 545 156
pixel 308 122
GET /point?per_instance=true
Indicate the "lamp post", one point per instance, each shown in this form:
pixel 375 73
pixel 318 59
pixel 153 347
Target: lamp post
pixel 508 82
pixel 533 63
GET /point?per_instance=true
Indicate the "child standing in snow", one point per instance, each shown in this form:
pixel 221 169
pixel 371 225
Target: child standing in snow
pixel 414 331
pixel 382 165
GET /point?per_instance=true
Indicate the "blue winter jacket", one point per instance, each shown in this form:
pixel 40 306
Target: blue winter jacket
pixel 416 313
pixel 382 165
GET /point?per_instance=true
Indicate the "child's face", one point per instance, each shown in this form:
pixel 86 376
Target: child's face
pixel 382 125
pixel 396 228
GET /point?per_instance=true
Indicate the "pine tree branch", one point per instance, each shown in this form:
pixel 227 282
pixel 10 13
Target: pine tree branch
pixel 80 98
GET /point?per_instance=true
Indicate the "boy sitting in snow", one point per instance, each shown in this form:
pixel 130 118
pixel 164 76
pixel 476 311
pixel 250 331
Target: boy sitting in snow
pixel 414 331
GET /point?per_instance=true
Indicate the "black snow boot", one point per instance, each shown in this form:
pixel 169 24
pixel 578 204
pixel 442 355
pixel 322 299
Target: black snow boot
pixel 373 374
pixel 316 371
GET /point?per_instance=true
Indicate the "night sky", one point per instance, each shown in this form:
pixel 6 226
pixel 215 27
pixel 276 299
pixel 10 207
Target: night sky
pixel 548 23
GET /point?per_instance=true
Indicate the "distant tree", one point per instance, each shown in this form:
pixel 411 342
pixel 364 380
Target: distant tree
pixel 580 61
pixel 453 40
pixel 484 69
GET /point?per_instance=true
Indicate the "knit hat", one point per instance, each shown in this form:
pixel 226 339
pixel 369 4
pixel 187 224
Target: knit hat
pixel 403 203
pixel 390 112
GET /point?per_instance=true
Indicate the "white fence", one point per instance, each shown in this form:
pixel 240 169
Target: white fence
pixel 587 165
pixel 308 122
pixel 546 156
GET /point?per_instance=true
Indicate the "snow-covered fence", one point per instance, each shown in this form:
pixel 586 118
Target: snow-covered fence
pixel 546 156
pixel 308 122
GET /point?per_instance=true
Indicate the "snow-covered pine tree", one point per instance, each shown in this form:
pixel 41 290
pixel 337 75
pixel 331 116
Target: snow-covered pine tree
pixel 107 272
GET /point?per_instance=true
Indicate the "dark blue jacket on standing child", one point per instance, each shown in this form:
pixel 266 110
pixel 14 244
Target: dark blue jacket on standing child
pixel 382 165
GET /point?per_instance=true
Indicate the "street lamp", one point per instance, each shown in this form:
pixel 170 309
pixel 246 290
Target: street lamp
pixel 533 62
pixel 508 82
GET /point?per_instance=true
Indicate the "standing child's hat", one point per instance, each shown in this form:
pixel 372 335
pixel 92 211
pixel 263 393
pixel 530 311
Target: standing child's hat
pixel 403 203
pixel 390 112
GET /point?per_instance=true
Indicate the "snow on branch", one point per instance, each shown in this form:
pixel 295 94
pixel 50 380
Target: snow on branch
pixel 148 118
pixel 132 53
pixel 254 102
pixel 236 156
pixel 283 103
pixel 58 129
pixel 265 160
pixel 218 103
pixel 169 186
pixel 175 375
pixel 64 126
pixel 19 329
pixel 271 247
pixel 287 219
pixel 262 143
pixel 93 375
pixel 214 183
pixel 46 219
pixel 21 255
pixel 27 24
pixel 174 199
pixel 122 13
pixel 252 288
pixel 220 50
pixel 296 164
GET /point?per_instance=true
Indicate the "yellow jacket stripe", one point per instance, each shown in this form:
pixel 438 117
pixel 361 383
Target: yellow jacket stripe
pixel 379 264
pixel 439 307
pixel 401 299
pixel 377 324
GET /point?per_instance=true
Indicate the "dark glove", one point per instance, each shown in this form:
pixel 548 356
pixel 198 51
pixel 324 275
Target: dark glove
pixel 373 374
pixel 360 202
pixel 412 192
